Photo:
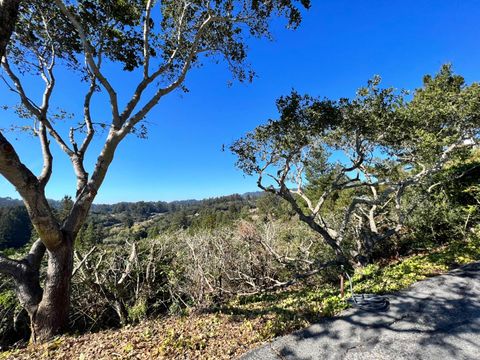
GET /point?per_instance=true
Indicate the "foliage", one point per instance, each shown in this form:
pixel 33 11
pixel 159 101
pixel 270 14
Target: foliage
pixel 166 40
pixel 142 219
pixel 454 194
pixel 394 277
pixel 347 167
pixel 299 307
pixel 14 323
pixel 271 207
pixel 15 227
pixel 8 307
pixel 121 282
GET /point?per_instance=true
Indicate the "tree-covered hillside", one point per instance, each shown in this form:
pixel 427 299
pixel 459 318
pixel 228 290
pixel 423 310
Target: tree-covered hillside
pixel 152 218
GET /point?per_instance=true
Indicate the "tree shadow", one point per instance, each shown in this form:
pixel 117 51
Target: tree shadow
pixel 436 318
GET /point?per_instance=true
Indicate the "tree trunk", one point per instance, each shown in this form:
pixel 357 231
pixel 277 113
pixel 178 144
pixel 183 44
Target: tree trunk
pixel 121 312
pixel 8 19
pixel 51 315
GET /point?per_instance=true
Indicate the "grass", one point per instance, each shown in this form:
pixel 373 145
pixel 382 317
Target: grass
pixel 248 321
pixel 296 308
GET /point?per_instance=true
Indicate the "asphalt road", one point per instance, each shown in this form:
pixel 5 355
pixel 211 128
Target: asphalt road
pixel 438 318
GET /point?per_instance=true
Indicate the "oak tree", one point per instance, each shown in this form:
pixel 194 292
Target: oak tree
pixel 157 41
pixel 346 166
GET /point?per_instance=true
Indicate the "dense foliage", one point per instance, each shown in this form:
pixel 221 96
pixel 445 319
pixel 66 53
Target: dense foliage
pixel 15 227
pixel 348 167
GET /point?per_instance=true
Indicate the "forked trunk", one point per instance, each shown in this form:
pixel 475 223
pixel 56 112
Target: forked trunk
pixel 51 315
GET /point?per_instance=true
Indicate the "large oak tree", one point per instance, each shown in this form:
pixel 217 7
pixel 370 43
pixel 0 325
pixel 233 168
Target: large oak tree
pixel 157 41
pixel 347 166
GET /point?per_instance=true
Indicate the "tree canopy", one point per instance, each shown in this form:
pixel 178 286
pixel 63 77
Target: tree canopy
pixel 362 154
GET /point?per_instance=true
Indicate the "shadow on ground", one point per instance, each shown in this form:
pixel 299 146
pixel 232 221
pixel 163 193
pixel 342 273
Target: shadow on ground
pixel 438 318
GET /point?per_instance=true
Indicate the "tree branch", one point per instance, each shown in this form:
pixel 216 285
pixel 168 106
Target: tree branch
pixel 47 157
pixel 146 45
pixel 295 278
pixel 35 256
pixel 82 259
pixel 10 267
pixel 166 90
pixel 147 80
pixel 88 117
pixel 38 112
pixel 34 198
pixel 91 63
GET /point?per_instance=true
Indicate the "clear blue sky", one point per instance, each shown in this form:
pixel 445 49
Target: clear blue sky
pixel 340 45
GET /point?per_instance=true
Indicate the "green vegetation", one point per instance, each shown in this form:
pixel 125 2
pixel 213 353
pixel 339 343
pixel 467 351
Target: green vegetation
pixel 15 227
pixel 293 309
pixel 246 321
pixel 393 144
pixel 264 264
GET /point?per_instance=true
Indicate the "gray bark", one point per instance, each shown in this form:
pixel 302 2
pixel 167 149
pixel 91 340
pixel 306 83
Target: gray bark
pixel 48 307
pixel 51 316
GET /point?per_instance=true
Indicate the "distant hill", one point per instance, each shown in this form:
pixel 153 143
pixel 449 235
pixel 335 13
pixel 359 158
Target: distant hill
pixel 146 206
pixel 8 202
pixel 140 219
pixel 253 194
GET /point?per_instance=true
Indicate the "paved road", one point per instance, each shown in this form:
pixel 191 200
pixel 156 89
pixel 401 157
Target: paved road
pixel 438 318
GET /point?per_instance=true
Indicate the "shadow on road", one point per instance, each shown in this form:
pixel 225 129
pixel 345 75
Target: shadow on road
pixel 438 318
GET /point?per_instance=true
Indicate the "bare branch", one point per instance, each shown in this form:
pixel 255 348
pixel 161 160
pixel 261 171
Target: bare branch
pixel 47 157
pixel 166 90
pixel 38 112
pixel 83 259
pixel 128 269
pixel 295 278
pixel 88 117
pixel 29 104
pixel 91 63
pixel 146 45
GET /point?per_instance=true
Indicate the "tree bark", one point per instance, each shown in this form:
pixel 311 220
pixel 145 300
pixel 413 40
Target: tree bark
pixel 8 19
pixel 51 315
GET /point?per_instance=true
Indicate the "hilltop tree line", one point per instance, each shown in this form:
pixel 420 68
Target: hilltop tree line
pixel 16 228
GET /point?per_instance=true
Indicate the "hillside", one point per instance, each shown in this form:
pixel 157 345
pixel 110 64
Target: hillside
pixel 154 217
pixel 8 202
pixel 245 322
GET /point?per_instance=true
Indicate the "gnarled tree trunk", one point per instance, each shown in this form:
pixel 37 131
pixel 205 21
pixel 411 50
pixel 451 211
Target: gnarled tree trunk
pixel 48 308
pixel 50 318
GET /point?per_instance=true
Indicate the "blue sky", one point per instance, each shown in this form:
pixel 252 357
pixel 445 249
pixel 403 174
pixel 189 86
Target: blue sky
pixel 340 45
